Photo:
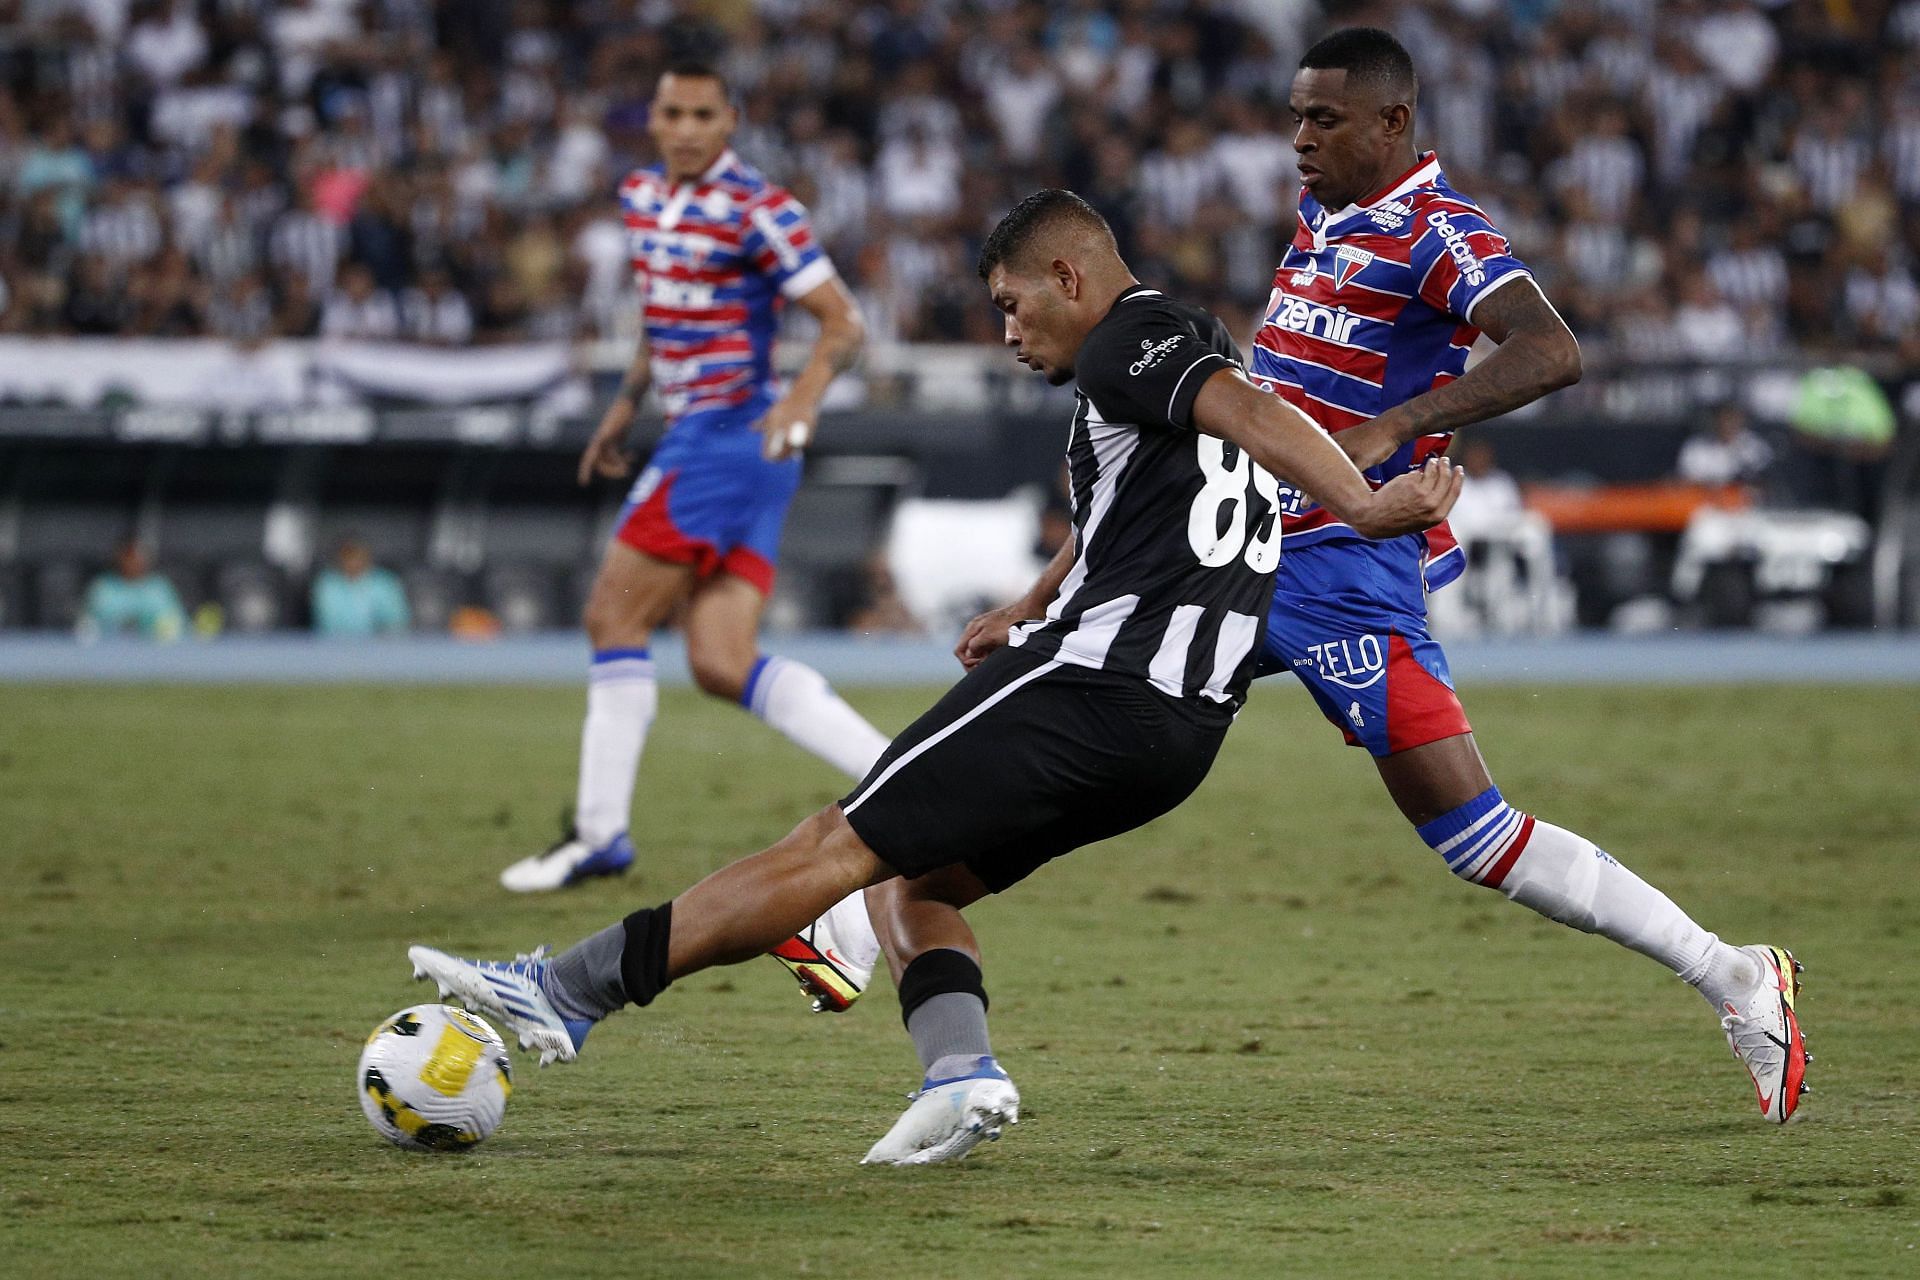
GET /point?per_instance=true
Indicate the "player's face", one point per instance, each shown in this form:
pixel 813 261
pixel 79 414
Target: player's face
pixel 690 121
pixel 1040 326
pixel 1345 140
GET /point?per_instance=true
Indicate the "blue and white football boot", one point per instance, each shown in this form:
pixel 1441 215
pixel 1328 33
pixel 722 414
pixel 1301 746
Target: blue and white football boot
pixel 568 861
pixel 513 991
pixel 950 1117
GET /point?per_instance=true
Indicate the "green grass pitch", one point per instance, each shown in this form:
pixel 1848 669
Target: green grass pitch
pixel 1267 1035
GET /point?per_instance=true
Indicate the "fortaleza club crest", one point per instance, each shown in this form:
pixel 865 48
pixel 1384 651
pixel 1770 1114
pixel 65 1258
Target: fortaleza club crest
pixel 1349 262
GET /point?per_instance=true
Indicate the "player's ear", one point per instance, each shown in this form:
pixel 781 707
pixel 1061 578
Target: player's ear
pixel 1396 121
pixel 1067 276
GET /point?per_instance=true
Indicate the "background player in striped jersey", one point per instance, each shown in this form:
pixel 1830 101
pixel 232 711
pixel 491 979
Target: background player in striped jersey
pixel 1390 278
pixel 1098 717
pixel 716 250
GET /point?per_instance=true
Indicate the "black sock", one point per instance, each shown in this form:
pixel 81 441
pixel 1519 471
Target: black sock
pixel 944 1006
pixel 942 971
pixel 643 961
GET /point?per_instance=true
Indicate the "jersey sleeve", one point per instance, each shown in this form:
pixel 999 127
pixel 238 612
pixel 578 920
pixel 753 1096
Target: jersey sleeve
pixel 629 195
pixel 1459 258
pixel 780 244
pixel 1146 366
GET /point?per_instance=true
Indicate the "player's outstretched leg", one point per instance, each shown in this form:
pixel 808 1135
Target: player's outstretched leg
pixel 734 914
pixel 1567 878
pixel 964 1098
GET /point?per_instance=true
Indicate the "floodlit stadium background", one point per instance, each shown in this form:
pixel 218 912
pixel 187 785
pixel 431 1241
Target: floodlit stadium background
pixel 275 275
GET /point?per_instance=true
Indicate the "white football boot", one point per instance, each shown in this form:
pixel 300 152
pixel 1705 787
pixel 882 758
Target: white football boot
pixel 827 959
pixel 569 860
pixel 950 1117
pixel 1764 1033
pixel 512 991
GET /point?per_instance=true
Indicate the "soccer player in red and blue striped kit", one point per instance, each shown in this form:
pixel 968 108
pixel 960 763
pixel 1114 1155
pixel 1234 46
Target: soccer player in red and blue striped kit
pixel 716 250
pixel 1391 277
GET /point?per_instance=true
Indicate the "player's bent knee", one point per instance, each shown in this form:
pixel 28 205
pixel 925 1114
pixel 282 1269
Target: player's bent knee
pixel 723 676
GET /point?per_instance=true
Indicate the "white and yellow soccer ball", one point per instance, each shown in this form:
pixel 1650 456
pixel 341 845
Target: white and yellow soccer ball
pixel 434 1078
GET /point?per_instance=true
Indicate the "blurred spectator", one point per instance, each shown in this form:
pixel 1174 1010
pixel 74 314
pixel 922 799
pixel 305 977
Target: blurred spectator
pixel 359 308
pixel 131 599
pixel 357 598
pixel 1056 517
pixel 1730 452
pixel 420 138
pixel 882 612
pixel 1704 326
pixel 436 312
pixel 1489 497
pixel 1843 428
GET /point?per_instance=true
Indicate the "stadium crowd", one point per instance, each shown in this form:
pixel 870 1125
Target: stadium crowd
pixel 1710 178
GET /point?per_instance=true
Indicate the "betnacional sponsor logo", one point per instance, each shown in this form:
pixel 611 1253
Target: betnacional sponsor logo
pixel 1472 270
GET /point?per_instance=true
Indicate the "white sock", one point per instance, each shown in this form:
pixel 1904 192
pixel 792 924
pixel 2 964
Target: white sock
pixel 853 930
pixel 621 701
pixel 1566 877
pixel 798 701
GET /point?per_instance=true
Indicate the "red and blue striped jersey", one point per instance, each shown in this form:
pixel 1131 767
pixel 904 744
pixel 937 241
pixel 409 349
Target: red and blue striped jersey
pixel 1372 306
pixel 714 259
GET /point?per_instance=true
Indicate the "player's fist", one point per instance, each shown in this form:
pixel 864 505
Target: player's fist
pixel 604 455
pixel 987 632
pixel 787 429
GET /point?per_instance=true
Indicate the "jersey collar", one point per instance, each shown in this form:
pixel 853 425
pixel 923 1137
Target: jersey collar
pixel 1425 171
pixel 681 194
pixel 723 162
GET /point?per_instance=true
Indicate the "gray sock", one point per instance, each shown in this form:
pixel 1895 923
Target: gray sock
pixel 952 1024
pixel 584 980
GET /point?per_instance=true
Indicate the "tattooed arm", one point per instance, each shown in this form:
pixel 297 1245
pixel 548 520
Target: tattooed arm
pixel 605 453
pixel 1537 354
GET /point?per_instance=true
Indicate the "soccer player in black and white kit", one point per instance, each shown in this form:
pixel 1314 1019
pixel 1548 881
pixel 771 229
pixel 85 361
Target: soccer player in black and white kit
pixel 1093 720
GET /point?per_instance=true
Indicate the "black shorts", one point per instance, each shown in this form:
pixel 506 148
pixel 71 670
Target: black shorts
pixel 1027 758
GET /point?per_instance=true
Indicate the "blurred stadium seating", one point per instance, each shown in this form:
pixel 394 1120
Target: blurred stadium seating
pixel 272 273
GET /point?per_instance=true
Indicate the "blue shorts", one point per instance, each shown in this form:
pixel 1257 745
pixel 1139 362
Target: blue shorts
pixel 1350 619
pixel 709 499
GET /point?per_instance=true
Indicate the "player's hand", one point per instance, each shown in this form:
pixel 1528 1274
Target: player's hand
pixel 787 429
pixel 604 454
pixel 1414 502
pixel 988 632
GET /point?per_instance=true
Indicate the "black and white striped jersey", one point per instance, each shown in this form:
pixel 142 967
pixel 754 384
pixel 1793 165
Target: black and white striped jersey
pixel 1176 533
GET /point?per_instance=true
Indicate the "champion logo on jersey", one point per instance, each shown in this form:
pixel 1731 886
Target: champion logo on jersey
pixel 1152 353
pixel 1349 262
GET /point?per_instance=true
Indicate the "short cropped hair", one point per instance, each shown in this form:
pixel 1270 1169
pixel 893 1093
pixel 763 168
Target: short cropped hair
pixel 694 69
pixel 1043 211
pixel 1369 56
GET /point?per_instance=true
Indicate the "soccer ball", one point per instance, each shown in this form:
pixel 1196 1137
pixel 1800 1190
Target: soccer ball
pixel 434 1078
